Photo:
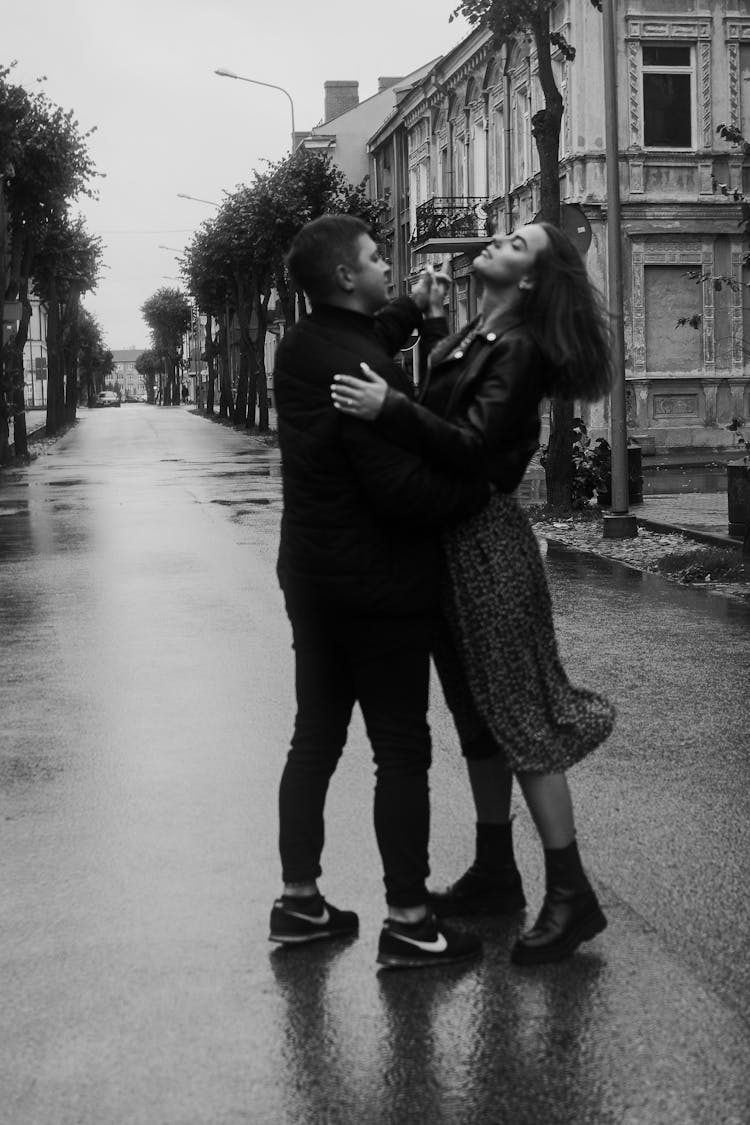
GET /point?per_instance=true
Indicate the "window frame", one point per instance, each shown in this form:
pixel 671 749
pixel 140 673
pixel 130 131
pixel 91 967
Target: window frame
pixel 652 68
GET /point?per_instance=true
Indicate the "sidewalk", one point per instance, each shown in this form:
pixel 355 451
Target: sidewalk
pixel 700 515
pixel 36 420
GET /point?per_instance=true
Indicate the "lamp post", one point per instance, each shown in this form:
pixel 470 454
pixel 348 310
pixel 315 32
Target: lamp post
pixel 196 199
pixel 224 73
pixel 620 524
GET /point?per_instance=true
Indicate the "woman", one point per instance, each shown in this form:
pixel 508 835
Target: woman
pixel 540 331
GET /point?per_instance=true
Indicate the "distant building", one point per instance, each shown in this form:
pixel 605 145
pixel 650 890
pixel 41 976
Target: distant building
pixel 35 356
pixel 348 123
pixel 125 375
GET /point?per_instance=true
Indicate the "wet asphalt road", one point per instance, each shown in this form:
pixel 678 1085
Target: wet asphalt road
pixel 147 702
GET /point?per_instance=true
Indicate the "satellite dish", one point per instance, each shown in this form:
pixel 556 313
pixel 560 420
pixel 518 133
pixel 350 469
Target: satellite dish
pixel 575 224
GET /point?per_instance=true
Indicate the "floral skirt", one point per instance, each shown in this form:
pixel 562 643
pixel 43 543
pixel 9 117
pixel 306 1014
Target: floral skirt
pixel 497 655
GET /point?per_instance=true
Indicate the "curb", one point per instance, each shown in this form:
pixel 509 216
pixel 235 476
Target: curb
pixel 558 546
pixel 712 538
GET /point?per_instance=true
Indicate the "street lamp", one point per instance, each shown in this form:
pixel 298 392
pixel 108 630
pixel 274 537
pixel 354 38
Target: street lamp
pixel 620 524
pixel 224 73
pixel 196 199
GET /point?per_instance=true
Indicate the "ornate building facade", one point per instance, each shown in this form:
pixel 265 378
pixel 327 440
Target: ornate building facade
pixel 456 160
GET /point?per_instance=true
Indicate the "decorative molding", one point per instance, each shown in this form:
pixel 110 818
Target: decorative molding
pixel 636 177
pixel 634 94
pixel 704 69
pixel 705 178
pixel 668 27
pixel 665 252
pixel 736 29
pixel 707 267
pixel 697 31
pixel 567 113
pixel 710 394
pixel 736 312
pixel 733 69
pixel 671 405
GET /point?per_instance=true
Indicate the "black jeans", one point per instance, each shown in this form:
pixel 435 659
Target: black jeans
pixel 383 664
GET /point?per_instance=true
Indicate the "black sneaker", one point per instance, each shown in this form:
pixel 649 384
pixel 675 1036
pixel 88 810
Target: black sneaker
pixel 480 892
pixel 416 945
pixel 295 920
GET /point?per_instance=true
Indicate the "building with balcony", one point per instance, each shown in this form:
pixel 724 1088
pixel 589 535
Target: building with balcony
pixel 456 160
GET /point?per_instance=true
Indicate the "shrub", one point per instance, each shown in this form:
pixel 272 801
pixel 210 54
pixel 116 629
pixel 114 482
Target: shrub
pixel 591 465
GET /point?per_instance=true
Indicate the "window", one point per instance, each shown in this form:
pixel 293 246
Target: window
pixel 667 96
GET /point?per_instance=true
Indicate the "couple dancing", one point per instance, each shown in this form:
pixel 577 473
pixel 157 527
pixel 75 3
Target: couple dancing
pixel 401 537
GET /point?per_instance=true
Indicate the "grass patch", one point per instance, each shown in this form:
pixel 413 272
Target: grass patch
pixel 705 564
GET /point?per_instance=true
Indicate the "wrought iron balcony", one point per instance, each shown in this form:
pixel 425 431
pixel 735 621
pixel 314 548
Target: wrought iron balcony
pixel 452 216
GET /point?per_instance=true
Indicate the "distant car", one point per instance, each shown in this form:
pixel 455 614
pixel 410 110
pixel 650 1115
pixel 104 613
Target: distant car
pixel 107 398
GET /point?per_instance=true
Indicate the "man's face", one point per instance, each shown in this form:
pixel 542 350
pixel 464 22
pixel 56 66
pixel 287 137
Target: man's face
pixel 370 275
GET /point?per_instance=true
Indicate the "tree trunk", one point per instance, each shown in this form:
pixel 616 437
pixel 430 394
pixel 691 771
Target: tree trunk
pixel 225 370
pixel 239 415
pixel 15 374
pixel 70 353
pixel 55 402
pixel 558 469
pixel 260 350
pixel 211 363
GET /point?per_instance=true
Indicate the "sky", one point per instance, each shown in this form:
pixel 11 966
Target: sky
pixel 142 72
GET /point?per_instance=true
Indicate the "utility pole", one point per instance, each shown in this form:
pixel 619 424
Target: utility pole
pixel 620 524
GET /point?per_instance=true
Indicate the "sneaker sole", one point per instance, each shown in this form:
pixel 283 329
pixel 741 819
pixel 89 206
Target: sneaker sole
pixel 303 939
pixel 587 929
pixel 396 961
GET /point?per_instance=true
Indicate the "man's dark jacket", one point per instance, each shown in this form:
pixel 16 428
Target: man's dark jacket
pixel 361 515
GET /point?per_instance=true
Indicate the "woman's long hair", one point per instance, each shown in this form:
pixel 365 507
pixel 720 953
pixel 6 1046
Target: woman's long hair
pixel 569 321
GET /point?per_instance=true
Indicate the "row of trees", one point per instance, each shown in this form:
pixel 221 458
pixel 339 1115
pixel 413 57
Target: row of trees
pixel 236 260
pixel 234 269
pixel 45 166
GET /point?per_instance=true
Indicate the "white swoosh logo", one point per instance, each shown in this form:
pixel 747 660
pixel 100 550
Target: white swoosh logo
pixel 322 920
pixel 439 945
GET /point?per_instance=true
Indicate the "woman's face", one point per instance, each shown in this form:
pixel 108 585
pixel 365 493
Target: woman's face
pixel 510 259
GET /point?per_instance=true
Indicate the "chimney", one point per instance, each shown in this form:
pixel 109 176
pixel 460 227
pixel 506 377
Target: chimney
pixel 386 83
pixel 339 97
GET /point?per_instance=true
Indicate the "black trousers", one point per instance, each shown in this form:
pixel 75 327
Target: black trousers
pixel 383 664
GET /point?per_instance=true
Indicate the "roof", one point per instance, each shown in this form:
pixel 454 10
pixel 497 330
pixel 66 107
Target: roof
pixel 127 355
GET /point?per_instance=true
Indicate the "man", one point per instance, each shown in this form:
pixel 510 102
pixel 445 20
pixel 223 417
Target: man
pixel 359 566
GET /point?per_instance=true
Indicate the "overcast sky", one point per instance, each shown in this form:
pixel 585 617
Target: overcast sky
pixel 141 71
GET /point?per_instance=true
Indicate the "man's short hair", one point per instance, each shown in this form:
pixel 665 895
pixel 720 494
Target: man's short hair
pixel 319 247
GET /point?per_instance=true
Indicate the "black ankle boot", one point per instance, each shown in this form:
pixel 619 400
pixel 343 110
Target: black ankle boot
pixel 570 912
pixel 492 885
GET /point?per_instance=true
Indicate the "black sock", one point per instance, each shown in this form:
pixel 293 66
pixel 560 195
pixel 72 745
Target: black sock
pixel 304 904
pixel 494 847
pixel 563 867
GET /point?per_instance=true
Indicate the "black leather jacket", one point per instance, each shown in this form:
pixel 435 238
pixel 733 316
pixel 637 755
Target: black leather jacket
pixel 478 409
